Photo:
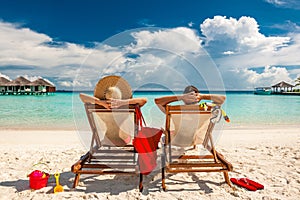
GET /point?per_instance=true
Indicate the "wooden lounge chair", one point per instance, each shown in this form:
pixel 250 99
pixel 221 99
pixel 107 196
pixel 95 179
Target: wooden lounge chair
pixel 193 126
pixel 109 153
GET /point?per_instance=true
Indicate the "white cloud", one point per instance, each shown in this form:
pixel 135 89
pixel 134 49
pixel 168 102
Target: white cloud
pixel 241 78
pixel 228 53
pixel 275 2
pixel 178 40
pixel 23 51
pixel 238 36
pixel 75 83
pixel 191 24
pixel 292 4
pixel 22 46
pixel 287 26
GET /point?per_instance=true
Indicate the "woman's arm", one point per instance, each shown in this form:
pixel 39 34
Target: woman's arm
pixel 112 103
pixel 116 103
pixel 93 100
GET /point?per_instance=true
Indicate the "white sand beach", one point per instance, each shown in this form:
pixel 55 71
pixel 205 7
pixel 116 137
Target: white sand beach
pixel 268 155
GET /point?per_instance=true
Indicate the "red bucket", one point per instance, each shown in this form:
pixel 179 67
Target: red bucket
pixel 38 179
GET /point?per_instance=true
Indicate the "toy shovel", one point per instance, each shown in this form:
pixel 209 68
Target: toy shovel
pixel 58 187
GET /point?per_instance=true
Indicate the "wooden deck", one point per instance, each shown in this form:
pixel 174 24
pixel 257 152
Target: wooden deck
pixel 286 93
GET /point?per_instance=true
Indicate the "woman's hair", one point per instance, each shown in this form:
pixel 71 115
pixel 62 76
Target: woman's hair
pixel 113 93
pixel 190 88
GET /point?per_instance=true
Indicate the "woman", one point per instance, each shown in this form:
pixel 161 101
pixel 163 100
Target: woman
pixel 113 92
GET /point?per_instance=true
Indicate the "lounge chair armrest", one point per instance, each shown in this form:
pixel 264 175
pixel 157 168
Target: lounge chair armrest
pixel 216 114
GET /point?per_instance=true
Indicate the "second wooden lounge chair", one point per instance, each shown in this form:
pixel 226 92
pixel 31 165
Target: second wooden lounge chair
pixel 192 126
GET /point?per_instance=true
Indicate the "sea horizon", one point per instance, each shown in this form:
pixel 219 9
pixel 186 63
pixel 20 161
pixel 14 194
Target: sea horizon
pixel 64 110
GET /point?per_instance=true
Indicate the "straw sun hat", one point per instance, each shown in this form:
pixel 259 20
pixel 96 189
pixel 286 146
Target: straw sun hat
pixel 112 81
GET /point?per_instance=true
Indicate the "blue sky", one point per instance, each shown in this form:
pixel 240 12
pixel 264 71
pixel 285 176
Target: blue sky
pixel 73 43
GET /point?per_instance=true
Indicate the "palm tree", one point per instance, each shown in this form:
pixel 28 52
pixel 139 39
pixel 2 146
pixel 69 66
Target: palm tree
pixel 297 81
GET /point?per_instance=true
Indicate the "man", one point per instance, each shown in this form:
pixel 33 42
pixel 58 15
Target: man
pixel 191 95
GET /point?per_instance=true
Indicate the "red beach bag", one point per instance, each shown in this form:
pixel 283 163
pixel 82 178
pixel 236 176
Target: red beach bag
pixel 146 143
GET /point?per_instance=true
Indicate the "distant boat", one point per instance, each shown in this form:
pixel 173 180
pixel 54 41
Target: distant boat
pixel 263 90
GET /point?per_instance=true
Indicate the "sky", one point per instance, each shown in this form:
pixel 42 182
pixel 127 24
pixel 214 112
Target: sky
pixel 213 44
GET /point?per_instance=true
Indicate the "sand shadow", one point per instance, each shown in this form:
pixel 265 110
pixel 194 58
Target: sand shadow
pixel 20 185
pixel 23 184
pixel 116 184
pixel 203 184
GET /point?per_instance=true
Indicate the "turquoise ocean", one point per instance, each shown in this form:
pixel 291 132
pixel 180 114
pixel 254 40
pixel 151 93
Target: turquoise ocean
pixel 65 111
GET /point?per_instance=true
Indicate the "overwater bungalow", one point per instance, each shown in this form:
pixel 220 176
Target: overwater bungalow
pixel 279 88
pixel 23 86
pixel 3 82
pixel 42 85
pixel 282 87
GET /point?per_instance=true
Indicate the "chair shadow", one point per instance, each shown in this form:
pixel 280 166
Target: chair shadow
pixel 117 184
pixel 114 186
pixel 203 184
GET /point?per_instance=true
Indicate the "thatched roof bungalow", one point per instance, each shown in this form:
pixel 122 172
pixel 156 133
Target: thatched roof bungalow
pixel 20 81
pixel 22 85
pixel 43 85
pixel 3 82
pixel 282 87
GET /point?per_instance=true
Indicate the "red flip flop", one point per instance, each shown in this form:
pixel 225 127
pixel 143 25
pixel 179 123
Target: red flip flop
pixel 243 184
pixel 253 183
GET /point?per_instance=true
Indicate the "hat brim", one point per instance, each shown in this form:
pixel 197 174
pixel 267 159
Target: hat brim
pixel 112 81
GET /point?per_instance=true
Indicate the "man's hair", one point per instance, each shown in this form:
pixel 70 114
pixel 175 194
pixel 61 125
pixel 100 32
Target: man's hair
pixel 190 88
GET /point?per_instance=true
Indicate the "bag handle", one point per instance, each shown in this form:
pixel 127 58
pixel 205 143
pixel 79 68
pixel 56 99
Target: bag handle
pixel 140 116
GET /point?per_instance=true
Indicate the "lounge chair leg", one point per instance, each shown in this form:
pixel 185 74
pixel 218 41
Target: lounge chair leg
pixel 227 180
pixel 141 187
pixel 163 164
pixel 163 179
pixel 76 180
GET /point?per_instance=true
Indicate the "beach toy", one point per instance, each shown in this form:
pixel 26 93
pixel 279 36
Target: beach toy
pixel 38 179
pixel 225 116
pixel 203 105
pixel 247 183
pixel 58 187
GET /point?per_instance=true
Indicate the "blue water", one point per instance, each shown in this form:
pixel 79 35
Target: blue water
pixel 64 110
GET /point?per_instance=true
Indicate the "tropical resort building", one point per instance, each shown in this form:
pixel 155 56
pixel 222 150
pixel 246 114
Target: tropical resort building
pixel 282 87
pixel 23 86
pixel 279 88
